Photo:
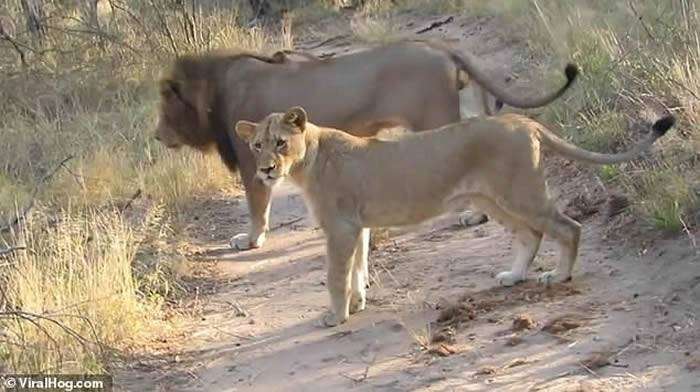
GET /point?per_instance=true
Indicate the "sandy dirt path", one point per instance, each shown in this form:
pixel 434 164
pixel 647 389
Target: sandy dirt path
pixel 628 322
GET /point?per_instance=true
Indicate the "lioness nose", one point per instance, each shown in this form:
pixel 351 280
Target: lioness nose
pixel 269 169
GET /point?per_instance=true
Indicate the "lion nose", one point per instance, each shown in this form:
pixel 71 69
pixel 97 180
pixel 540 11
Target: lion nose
pixel 269 169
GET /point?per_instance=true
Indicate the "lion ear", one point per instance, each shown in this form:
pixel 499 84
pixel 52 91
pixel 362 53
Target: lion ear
pixel 296 116
pixel 245 130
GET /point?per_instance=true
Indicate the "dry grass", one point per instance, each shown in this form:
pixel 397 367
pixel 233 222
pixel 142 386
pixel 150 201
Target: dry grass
pixel 77 272
pixel 633 71
pixel 93 277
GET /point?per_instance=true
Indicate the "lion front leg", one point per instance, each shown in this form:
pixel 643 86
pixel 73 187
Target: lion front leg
pixel 341 244
pixel 360 273
pixel 259 199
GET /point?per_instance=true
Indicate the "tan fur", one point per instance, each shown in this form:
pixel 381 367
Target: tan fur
pixel 352 184
pixel 408 84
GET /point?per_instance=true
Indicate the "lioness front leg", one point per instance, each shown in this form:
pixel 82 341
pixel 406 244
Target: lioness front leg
pixel 259 197
pixel 360 273
pixel 341 243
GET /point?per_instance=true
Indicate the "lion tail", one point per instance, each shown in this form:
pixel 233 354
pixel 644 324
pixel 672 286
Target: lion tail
pixel 571 151
pixel 467 64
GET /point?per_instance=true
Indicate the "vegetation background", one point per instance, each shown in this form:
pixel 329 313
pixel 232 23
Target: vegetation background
pixel 92 245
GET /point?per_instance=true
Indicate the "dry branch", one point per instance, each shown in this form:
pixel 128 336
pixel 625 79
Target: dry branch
pixel 130 201
pixel 29 206
pixel 12 250
pixel 435 25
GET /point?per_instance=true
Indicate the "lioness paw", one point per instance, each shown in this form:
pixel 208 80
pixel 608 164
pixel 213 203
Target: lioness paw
pixel 550 277
pixel 242 241
pixel 472 218
pixel 508 278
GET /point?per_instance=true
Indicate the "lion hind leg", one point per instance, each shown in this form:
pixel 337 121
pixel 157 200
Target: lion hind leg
pixel 360 273
pixel 341 244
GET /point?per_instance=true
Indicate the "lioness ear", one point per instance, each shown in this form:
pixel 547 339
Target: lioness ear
pixel 245 130
pixel 296 116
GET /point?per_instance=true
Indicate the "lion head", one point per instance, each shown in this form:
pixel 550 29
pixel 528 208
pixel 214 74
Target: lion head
pixel 185 99
pixel 277 142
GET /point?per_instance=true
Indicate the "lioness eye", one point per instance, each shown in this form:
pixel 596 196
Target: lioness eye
pixel 257 146
pixel 281 143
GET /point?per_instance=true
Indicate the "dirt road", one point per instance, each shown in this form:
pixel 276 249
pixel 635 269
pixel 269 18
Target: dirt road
pixel 628 321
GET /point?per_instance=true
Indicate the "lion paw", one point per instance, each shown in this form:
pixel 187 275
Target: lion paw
pixel 329 320
pixel 508 278
pixel 551 277
pixel 243 241
pixel 357 304
pixel 472 218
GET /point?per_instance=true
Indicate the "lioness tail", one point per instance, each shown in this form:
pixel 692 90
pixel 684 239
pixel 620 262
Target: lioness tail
pixel 571 151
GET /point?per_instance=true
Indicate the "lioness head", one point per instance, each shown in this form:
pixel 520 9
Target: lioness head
pixel 277 143
pixel 184 108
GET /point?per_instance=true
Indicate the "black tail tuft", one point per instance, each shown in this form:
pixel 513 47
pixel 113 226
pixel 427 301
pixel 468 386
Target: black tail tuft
pixel 571 72
pixel 662 125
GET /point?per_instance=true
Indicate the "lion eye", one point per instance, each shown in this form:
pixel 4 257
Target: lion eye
pixel 257 146
pixel 281 143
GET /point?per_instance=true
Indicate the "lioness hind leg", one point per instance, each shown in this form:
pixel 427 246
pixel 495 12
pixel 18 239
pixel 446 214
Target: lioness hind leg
pixel 360 273
pixel 472 218
pixel 527 243
pixel 567 233
pixel 527 240
pixel 258 197
pixel 341 243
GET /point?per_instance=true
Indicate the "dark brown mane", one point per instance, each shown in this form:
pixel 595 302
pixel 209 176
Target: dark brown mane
pixel 196 75
pixel 198 65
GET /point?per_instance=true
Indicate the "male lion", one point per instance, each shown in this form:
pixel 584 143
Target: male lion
pixel 352 184
pixel 409 84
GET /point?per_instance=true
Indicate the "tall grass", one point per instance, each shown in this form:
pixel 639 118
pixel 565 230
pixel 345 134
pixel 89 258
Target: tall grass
pixel 93 277
pixel 638 61
pixel 77 279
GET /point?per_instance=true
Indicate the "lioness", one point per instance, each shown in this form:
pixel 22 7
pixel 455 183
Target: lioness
pixel 352 184
pixel 409 84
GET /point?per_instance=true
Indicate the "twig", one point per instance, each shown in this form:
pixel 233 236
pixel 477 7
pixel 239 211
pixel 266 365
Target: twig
pixel 28 208
pixel 16 46
pixel 287 223
pixel 586 368
pixel 9 251
pixel 328 41
pixel 435 25
pixel 164 25
pixel 690 235
pixel 641 21
pixel 131 200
